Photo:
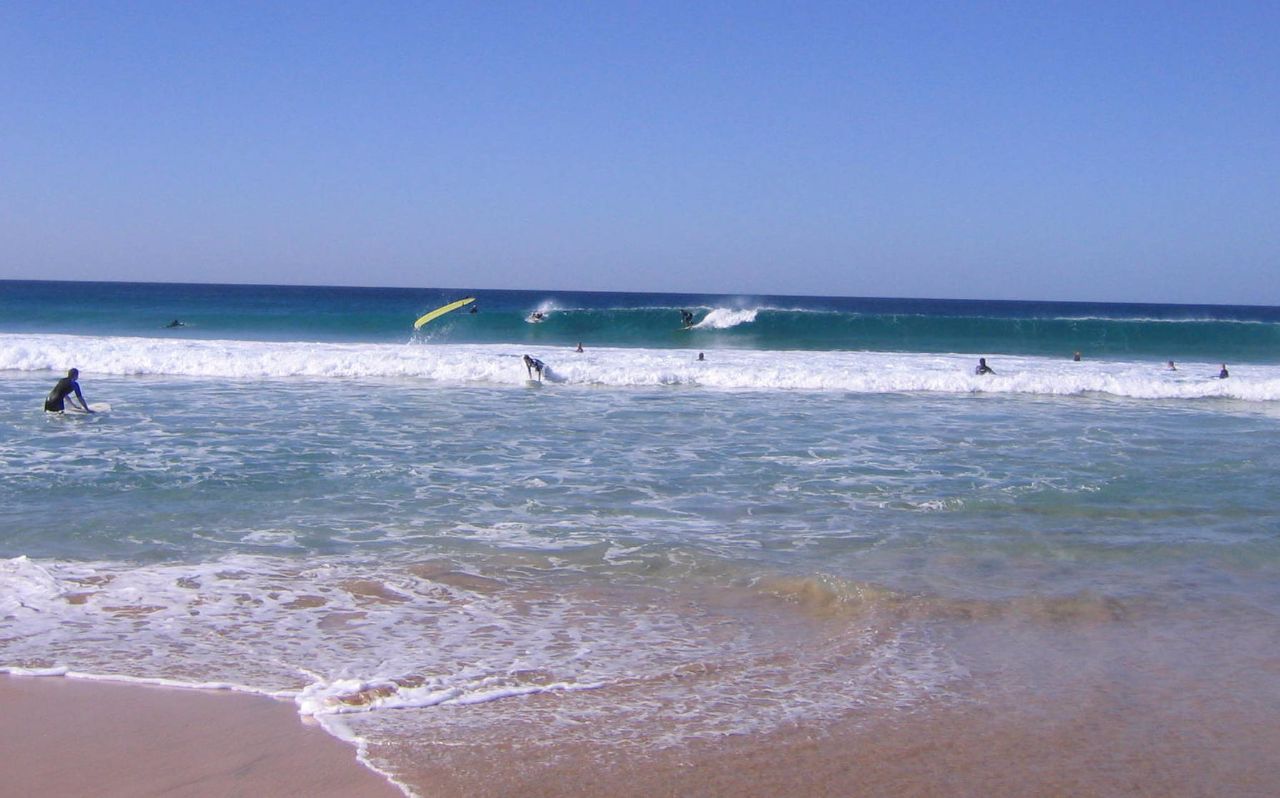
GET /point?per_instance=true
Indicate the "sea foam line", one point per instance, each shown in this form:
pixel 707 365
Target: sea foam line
pixel 734 370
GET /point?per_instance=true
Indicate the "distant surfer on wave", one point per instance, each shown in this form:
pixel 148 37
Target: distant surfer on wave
pixel 174 323
pixel 686 318
pixel 983 368
pixel 532 364
pixel 55 402
pixel 1172 367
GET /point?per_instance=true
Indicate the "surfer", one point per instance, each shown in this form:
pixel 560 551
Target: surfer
pixel 537 315
pixel 174 323
pixel 1172 367
pixel 701 356
pixel 54 403
pixel 686 318
pixel 532 364
pixel 475 308
pixel 1222 375
pixel 1076 357
pixel 983 368
pixel 579 349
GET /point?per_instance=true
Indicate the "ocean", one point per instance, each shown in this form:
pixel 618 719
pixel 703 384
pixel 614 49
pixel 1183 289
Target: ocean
pixel 829 521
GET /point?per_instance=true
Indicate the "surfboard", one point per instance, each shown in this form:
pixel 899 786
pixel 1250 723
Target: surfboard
pixel 97 407
pixel 440 311
pixel 532 384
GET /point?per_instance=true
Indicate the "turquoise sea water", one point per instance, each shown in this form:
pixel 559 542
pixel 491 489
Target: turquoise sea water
pixel 297 494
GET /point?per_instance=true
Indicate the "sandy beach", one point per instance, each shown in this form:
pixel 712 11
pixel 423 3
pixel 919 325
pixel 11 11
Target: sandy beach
pixel 63 737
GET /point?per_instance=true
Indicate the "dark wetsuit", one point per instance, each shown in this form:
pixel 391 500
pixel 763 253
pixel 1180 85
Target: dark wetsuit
pixel 532 364
pixel 55 402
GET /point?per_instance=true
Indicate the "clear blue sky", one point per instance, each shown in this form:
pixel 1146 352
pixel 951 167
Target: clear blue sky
pixel 1123 151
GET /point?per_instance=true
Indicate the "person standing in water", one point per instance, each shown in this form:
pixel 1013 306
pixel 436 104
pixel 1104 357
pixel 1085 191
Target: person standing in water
pixel 983 368
pixel 55 402
pixel 1222 375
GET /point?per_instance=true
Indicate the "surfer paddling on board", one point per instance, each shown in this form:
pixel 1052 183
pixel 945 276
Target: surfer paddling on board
pixel 532 364
pixel 983 368
pixel 55 402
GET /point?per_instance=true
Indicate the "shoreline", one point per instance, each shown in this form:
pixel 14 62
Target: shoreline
pixel 63 737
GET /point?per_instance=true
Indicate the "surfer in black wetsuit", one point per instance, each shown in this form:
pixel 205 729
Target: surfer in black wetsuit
pixel 1222 375
pixel 174 323
pixel 532 364
pixel 55 402
pixel 686 318
pixel 983 368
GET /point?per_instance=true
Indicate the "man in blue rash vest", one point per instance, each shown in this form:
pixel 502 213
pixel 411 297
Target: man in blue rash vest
pixel 55 402
pixel 532 364
pixel 983 368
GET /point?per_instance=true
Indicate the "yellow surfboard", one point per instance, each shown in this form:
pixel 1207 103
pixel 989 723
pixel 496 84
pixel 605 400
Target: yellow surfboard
pixel 442 310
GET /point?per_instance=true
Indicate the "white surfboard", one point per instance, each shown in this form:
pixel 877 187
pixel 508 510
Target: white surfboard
pixel 97 407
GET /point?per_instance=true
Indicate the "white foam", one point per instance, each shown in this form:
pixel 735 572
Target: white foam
pixel 725 318
pixel 27 586
pixel 734 370
pixel 346 696
pixel 344 638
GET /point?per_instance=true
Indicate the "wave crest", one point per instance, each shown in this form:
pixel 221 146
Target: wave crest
pixel 725 318
pixel 724 369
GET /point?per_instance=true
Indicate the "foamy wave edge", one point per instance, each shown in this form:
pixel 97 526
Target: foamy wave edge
pixel 735 370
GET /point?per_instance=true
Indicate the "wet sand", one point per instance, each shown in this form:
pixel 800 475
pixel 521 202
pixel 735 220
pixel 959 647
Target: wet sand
pixel 1093 707
pixel 63 737
pixel 1091 750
